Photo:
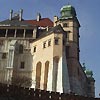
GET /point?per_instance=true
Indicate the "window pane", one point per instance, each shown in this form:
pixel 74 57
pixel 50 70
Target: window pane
pixel 56 41
pixel 34 49
pixel 49 43
pixel 21 49
pixel 44 45
pixel 65 25
pixel 22 65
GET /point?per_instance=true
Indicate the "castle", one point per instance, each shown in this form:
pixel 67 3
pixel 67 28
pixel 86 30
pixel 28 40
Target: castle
pixel 46 52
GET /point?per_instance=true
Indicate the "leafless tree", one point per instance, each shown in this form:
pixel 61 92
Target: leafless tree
pixel 22 81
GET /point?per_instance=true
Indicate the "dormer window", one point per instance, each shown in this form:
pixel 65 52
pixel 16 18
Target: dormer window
pixel 22 65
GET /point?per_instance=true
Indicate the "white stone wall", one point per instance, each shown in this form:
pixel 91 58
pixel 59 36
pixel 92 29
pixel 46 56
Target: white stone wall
pixel 58 74
pixel 17 58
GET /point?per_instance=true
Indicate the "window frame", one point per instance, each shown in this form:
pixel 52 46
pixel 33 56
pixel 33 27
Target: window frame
pixel 65 24
pixel 22 65
pixel 49 42
pixel 56 41
pixel 34 49
pixel 44 44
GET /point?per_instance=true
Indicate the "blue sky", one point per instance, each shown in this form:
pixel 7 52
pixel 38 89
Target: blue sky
pixel 88 13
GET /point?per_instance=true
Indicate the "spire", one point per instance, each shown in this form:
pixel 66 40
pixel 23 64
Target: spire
pixel 11 12
pixel 20 14
pixel 38 16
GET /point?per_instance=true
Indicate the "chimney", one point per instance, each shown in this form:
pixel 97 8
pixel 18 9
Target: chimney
pixel 38 16
pixel 20 14
pixel 55 20
pixel 11 12
pixel 47 28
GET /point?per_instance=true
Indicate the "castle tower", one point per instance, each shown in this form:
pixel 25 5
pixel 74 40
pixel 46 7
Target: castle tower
pixel 71 25
pixel 91 82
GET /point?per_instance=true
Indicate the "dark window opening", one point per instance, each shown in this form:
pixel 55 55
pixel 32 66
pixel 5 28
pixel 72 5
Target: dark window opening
pixel 56 41
pixel 44 45
pixel 29 33
pixel 11 33
pixel 22 65
pixel 21 49
pixel 34 49
pixel 49 43
pixel 2 32
pixel 65 25
pixel 19 33
pixel 4 56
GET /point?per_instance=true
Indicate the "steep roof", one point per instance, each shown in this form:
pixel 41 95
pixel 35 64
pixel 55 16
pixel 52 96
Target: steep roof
pixel 14 22
pixel 43 22
pixel 57 29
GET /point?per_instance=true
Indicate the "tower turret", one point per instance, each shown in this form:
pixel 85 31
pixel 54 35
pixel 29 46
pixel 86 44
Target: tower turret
pixel 70 24
pixel 67 11
pixel 91 82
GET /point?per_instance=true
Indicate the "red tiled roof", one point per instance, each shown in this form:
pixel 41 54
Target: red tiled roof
pixel 44 22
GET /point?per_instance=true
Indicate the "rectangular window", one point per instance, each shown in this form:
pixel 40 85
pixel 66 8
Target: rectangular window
pixel 4 56
pixel 34 49
pixel 22 65
pixel 49 43
pixel 44 45
pixel 65 25
pixel 21 49
pixel 56 41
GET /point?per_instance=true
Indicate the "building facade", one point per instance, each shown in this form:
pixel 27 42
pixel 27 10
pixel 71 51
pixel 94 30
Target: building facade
pixel 46 52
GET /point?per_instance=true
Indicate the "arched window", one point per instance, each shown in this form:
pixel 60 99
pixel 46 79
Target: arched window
pixel 46 74
pixel 38 74
pixel 55 72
